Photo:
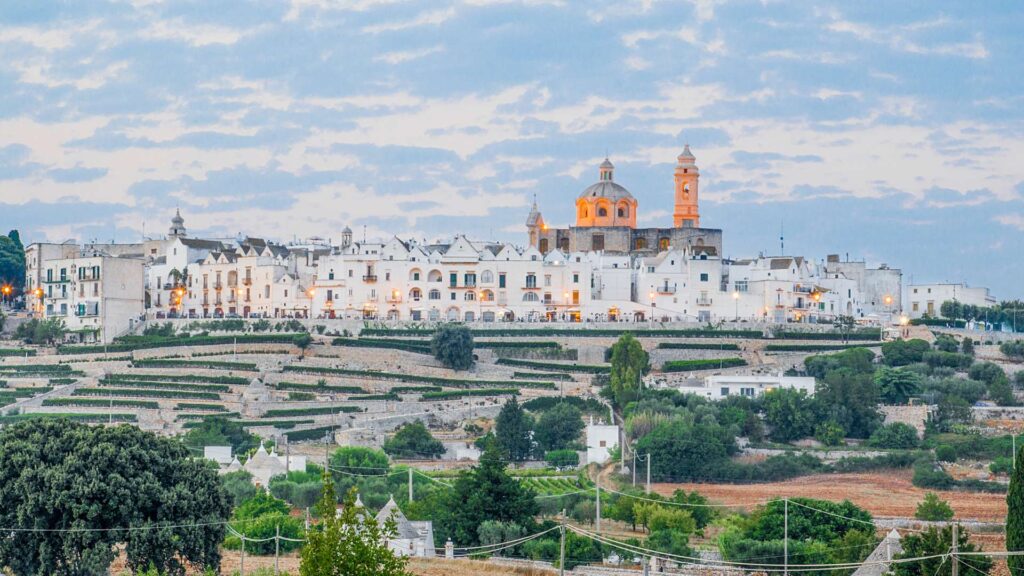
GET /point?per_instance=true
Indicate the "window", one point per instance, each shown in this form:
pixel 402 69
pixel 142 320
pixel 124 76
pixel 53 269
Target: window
pixel 415 294
pixel 470 279
pixel 451 295
pixel 741 286
pixel 387 275
pixel 470 296
pixel 453 279
pixel 547 279
pixel 416 276
pixel 531 281
pixel 487 277
pixel 543 245
pixel 663 244
pixel 640 244
pixel 530 297
pixel 501 280
pixel 622 213
pixel 330 275
pixel 602 212
pixel 563 245
pixel 435 295
pixel 915 306
pixel 597 242
pixel 349 273
pixel 703 276
pixel 725 391
pixel 487 296
pixel 576 278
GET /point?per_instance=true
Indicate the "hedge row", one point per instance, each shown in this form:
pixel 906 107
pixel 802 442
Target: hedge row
pixel 689 365
pixel 368 397
pixel 198 406
pixel 229 380
pixel 17 352
pixel 697 346
pixel 453 394
pixel 317 411
pixel 401 377
pixel 858 335
pixel 548 402
pixel 280 424
pixel 24 392
pixel 142 393
pixel 63 381
pixel 815 347
pixel 97 402
pixel 576 333
pixel 945 322
pixel 587 368
pixel 309 433
pixel 538 375
pixel 36 368
pixel 212 364
pixel 70 416
pixel 219 414
pixel 317 387
pixel 414 389
pixel 164 385
pixel 147 342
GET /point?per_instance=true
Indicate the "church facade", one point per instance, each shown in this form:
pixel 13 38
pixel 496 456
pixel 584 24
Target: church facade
pixel 606 216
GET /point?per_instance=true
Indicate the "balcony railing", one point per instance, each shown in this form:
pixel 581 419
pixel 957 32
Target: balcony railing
pixel 247 281
pixel 666 289
pixel 217 286
pixel 369 278
pixel 703 301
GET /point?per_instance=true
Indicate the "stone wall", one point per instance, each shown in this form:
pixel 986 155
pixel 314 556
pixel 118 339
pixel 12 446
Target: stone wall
pixel 915 416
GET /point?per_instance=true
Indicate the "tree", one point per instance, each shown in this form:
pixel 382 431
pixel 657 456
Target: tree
pixel 260 518
pixel 946 343
pixel 844 324
pixel 495 532
pixel 629 363
pixel 1015 515
pixel 559 427
pixel 933 509
pixel 513 431
pixel 896 386
pixel 453 346
pixel 850 398
pixel 788 412
pixel 683 451
pixel 933 544
pixel 239 486
pixel 1001 392
pixel 219 431
pixel 350 543
pixel 413 440
pixel 895 435
pixel 562 458
pixel 829 433
pixel 76 481
pixel 486 492
pixel 903 352
pixel 986 372
pixel 41 331
pixel 12 261
pixel 967 346
pixel 302 342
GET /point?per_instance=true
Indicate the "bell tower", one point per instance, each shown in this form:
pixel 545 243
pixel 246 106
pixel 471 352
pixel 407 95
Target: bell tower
pixel 686 213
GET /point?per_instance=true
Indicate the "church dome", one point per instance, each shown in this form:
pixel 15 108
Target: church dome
pixel 606 189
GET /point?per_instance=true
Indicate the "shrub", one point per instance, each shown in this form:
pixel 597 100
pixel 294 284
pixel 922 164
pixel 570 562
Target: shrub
pixel 1001 465
pixel 589 368
pixel 896 435
pixel 829 433
pixel 691 365
pixel 454 394
pixel 699 346
pixel 986 372
pixel 562 458
pixel 903 352
pixel 927 474
pixel 413 440
pixel 933 509
pixel 1013 349
pixel 948 359
pixel 452 345
pixel 945 453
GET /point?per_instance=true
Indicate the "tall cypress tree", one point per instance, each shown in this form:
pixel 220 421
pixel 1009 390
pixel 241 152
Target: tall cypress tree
pixel 1015 515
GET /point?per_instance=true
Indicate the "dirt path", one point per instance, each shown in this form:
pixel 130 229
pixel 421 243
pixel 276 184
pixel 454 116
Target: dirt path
pixel 886 494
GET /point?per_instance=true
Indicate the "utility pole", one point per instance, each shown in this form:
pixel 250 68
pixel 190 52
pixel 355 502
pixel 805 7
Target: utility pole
pixel 955 565
pixel 785 537
pixel 277 547
pixel 634 468
pixel 561 551
pixel 241 564
pixel 410 484
pixel 648 472
pixel 598 503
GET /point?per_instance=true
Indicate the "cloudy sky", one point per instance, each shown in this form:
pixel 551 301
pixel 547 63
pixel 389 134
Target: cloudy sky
pixel 890 135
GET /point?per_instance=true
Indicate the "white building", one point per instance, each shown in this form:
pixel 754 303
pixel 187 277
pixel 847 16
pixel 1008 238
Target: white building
pixel 263 465
pixel 928 298
pixel 413 538
pixel 601 438
pixel 720 386
pixel 98 296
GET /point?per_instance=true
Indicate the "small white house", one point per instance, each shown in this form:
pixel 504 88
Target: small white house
pixel 219 454
pixel 601 438
pixel 719 386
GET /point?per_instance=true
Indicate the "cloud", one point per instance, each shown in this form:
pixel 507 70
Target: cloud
pixel 1014 220
pixel 403 56
pixel 898 38
pixel 194 34
pixel 428 18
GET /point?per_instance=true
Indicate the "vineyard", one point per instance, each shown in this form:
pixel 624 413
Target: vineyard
pixel 551 486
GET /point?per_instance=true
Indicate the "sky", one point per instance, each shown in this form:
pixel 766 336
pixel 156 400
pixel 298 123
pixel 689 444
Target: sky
pixel 890 132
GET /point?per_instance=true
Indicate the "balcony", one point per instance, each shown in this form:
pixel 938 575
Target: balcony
pixel 395 299
pixel 666 289
pixel 703 301
pixel 57 281
pixel 531 287
pixel 218 285
pixel 370 278
pixel 247 281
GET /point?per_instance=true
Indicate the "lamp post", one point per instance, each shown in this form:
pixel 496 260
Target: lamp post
pixel 652 307
pixel 736 299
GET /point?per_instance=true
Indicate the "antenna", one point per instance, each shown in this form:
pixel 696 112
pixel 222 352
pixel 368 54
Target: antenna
pixel 782 237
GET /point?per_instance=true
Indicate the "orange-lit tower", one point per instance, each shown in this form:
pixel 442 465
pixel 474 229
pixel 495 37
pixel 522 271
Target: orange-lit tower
pixel 686 213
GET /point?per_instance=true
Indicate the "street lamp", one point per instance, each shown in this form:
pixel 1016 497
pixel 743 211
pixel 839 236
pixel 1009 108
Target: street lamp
pixel 736 298
pixel 652 307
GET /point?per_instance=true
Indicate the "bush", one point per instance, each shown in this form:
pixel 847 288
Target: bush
pixel 454 394
pixel 691 365
pixel 413 440
pixel 933 509
pixel 452 345
pixel 948 359
pixel 829 433
pixel 1001 465
pixel 896 435
pixel 404 377
pixel 927 474
pixel 699 346
pixel 987 372
pixel 903 352
pixel 1013 349
pixel 588 368
pixel 562 458
pixel 945 453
